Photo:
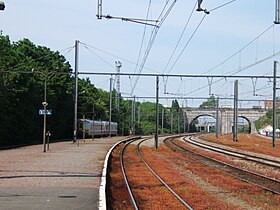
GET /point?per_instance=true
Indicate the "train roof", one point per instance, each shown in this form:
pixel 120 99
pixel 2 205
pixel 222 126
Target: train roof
pixel 97 122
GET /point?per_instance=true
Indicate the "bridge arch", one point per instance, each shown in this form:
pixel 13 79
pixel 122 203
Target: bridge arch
pixel 198 124
pixel 247 130
pixel 226 117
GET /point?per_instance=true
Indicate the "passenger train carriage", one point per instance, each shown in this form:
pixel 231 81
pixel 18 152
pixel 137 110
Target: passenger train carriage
pixel 100 128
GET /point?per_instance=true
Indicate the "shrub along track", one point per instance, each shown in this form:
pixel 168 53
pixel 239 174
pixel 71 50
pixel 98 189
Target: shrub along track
pixel 265 182
pixel 202 187
pixel 151 194
pixel 258 163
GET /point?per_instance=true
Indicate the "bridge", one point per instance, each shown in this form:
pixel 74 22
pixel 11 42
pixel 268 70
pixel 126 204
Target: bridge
pixel 225 116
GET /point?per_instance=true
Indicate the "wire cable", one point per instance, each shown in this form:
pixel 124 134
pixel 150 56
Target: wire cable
pixel 181 36
pixel 118 57
pixel 238 71
pixel 237 52
pixel 143 37
pixel 45 56
pixel 187 43
pixel 98 56
pixel 222 5
pixel 152 39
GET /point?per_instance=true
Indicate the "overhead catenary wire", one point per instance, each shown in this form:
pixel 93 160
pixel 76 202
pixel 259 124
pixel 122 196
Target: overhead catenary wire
pixel 240 69
pixel 235 72
pixel 118 57
pixel 225 4
pixel 152 39
pixel 192 35
pixel 143 38
pixel 238 51
pixel 180 38
pixel 45 56
pixel 85 46
pixel 188 42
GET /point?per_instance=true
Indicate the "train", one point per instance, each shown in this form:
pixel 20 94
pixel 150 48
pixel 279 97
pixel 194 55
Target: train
pixel 88 128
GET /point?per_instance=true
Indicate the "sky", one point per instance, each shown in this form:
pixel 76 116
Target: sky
pixel 220 39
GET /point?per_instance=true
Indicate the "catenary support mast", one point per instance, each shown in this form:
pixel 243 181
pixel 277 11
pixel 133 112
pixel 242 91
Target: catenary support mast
pixel 76 91
pixel 277 12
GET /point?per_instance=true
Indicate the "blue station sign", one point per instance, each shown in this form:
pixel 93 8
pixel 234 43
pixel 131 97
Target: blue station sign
pixel 42 112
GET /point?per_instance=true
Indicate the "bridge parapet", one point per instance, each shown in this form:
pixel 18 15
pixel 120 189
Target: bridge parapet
pixel 226 116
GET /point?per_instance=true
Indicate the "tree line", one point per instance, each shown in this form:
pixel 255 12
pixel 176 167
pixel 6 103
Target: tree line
pixel 22 94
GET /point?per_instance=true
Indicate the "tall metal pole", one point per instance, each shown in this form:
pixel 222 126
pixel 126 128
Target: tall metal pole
pixel 99 9
pixel 171 123
pixel 157 115
pixel 118 84
pixel 76 91
pixel 139 115
pixel 110 107
pixel 234 104
pixel 162 119
pixel 92 122
pixel 134 112
pixel 45 104
pixel 184 116
pixel 235 120
pixel 217 118
pixel 277 12
pixel 131 123
pixel 83 127
pixel 178 118
pixel 274 104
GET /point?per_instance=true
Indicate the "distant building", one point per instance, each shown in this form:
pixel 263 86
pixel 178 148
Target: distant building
pixel 269 104
pixel 265 130
pixel 257 107
pixel 226 107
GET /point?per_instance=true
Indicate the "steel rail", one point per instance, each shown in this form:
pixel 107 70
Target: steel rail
pixel 103 184
pixel 160 179
pixel 125 176
pixel 254 158
pixel 257 176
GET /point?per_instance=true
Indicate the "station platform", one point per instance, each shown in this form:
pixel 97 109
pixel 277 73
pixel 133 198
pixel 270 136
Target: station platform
pixel 65 177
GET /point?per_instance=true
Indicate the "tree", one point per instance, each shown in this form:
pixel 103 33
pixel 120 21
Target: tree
pixel 210 103
pixel 22 94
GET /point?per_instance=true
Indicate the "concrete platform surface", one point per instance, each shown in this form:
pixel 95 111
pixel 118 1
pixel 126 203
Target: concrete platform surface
pixel 65 177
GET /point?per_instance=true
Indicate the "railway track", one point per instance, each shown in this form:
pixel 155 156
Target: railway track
pixel 255 158
pixel 129 185
pixel 264 182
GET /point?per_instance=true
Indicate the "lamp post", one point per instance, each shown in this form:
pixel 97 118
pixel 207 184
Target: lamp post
pixel 45 104
pixel 2 5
